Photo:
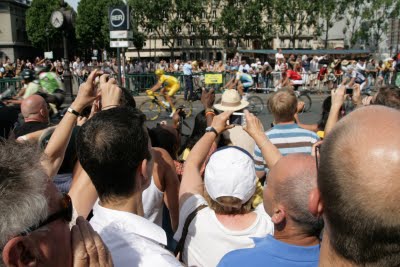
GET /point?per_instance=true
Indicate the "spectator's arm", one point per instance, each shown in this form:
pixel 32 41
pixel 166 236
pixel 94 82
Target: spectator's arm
pixel 310 127
pixel 55 150
pixel 171 182
pixel 192 183
pixel 82 192
pixel 255 129
pixel 338 97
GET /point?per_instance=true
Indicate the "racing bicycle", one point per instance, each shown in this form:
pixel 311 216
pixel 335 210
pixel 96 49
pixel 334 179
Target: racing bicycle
pixel 153 106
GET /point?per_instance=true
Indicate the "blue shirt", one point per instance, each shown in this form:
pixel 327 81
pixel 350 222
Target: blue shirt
pixel 187 69
pixel 269 252
pixel 289 139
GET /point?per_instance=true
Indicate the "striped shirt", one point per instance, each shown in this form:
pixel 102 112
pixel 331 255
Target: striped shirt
pixel 289 139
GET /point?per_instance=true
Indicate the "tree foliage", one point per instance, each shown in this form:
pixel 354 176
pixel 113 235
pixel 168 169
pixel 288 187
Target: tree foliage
pixel 331 11
pixel 92 23
pixel 38 25
pixel 293 17
pixel 241 20
pixel 166 18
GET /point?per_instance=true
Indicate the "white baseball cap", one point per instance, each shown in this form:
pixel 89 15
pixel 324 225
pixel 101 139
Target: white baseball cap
pixel 230 172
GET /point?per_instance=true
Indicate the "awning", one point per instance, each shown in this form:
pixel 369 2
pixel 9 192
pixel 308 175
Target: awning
pixel 309 51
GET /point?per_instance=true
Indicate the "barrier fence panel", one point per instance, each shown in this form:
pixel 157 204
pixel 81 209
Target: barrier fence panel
pixel 10 83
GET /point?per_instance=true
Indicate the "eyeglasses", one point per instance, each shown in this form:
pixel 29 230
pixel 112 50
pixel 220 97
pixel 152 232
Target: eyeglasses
pixel 317 153
pixel 65 213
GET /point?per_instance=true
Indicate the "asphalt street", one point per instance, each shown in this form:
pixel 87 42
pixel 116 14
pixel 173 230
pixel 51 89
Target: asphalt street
pixel 310 117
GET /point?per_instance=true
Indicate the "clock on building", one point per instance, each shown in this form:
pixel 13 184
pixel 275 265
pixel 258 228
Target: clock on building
pixel 57 19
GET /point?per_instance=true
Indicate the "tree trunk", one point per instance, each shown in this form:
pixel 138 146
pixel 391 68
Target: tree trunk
pixel 326 34
pixel 138 54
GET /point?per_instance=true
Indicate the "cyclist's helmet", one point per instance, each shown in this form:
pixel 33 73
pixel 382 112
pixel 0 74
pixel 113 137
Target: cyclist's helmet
pixel 159 72
pixel 40 69
pixel 28 75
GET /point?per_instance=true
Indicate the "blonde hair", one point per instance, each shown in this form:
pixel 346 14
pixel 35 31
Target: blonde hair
pixel 229 205
pixel 283 105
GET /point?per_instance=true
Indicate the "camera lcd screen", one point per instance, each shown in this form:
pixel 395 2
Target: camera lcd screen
pixel 236 118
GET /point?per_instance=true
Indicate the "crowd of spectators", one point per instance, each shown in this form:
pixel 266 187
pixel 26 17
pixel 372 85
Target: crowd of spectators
pixel 100 188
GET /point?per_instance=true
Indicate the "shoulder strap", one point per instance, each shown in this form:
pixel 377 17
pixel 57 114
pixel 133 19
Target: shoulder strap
pixel 189 219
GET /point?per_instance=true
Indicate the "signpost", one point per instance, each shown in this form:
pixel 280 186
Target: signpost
pixel 119 18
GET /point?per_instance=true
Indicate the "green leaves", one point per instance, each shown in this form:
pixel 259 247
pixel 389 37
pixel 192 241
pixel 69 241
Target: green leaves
pixel 38 25
pixel 92 28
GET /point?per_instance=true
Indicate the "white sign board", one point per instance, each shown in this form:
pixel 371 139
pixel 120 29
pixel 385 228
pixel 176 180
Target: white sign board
pixel 121 43
pixel 121 34
pixel 48 55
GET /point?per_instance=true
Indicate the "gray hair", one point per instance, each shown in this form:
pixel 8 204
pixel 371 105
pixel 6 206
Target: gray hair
pixel 22 190
pixel 294 193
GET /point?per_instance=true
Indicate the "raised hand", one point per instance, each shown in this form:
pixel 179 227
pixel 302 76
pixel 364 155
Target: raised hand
pixel 88 248
pixel 219 122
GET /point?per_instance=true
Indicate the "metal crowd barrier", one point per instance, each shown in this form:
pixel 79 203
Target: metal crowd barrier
pixel 10 83
pixel 139 82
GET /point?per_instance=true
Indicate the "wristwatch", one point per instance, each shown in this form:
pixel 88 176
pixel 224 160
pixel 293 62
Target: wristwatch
pixel 211 129
pixel 72 111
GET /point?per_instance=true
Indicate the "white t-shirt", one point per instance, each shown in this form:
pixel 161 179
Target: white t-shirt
pixel 278 55
pixel 208 240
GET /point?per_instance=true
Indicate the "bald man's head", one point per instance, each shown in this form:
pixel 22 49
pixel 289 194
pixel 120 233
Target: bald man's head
pixel 291 188
pixel 35 108
pixel 359 183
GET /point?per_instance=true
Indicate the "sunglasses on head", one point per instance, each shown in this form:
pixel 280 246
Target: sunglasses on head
pixel 65 213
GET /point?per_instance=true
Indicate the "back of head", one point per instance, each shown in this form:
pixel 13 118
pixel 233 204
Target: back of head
pixel 292 187
pixel 283 105
pixel 32 105
pixel 166 137
pixel 230 181
pixel 127 99
pixel 22 189
pixel 388 96
pixel 111 147
pixel 359 185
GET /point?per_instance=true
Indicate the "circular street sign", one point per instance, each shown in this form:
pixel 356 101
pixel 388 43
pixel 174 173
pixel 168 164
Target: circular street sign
pixel 117 17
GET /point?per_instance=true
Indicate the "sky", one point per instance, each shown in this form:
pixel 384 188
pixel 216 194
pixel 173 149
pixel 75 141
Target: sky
pixel 73 3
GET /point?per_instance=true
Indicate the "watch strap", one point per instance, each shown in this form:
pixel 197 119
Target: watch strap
pixel 71 110
pixel 211 129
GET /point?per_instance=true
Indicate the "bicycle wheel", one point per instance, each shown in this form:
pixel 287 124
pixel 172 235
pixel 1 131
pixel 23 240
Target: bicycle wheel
pixel 186 105
pixel 307 101
pixel 151 109
pixel 256 105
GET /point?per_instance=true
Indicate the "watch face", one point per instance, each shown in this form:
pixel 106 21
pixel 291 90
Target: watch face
pixel 57 19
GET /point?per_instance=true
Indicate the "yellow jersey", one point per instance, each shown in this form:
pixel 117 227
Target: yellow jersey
pixel 168 81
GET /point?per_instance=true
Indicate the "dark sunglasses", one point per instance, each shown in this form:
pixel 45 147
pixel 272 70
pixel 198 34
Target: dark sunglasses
pixel 65 213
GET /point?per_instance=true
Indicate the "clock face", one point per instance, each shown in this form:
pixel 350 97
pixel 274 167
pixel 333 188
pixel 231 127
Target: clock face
pixel 57 19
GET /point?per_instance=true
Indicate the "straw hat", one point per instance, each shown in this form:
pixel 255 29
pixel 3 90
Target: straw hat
pixel 345 62
pixel 231 101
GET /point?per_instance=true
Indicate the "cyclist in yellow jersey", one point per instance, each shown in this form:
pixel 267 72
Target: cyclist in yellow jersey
pixel 169 84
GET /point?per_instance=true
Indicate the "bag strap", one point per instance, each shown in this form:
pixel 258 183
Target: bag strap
pixel 189 219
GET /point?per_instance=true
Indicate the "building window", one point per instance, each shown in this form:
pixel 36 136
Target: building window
pixel 179 29
pixel 165 42
pixel 247 41
pixel 192 42
pixel 192 28
pixel 203 42
pixel 214 29
pixel 214 41
pixel 179 41
pixel 203 15
pixel 203 27
pixel 214 14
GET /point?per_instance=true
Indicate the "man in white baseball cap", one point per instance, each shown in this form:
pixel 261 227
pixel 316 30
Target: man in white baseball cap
pixel 216 214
